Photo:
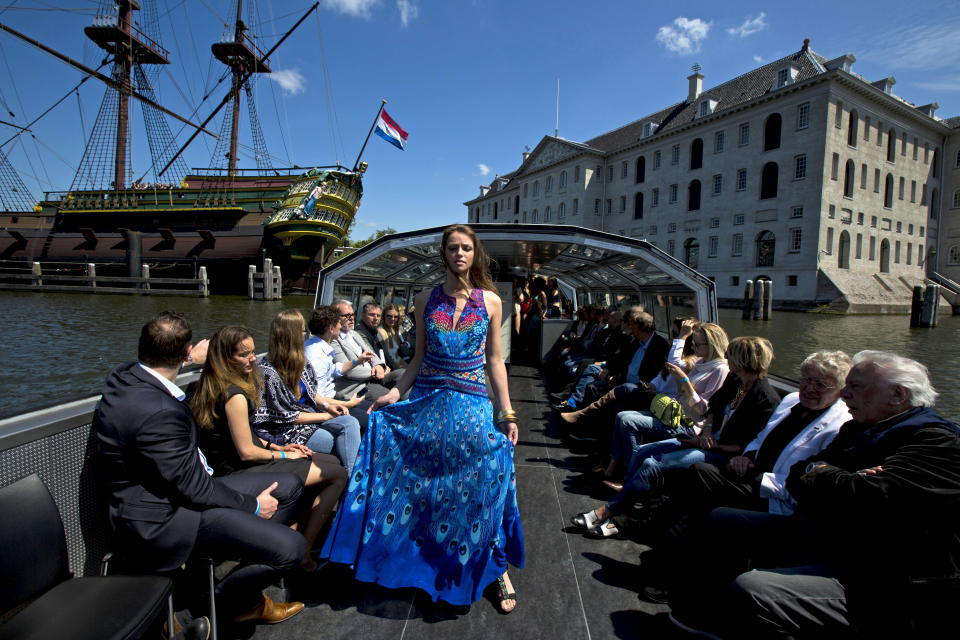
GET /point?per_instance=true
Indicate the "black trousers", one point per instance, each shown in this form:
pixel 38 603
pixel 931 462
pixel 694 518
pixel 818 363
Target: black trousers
pixel 265 548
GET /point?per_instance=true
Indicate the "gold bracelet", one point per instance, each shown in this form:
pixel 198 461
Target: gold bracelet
pixel 506 414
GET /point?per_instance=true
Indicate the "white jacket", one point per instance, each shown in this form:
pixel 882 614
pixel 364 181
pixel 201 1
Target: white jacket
pixel 812 440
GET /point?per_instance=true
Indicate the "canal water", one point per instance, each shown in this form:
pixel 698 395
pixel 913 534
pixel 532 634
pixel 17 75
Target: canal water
pixel 59 347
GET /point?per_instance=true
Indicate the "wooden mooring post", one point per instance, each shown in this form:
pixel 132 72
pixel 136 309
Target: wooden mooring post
pixel 758 300
pixel 748 300
pixel 266 284
pixel 924 306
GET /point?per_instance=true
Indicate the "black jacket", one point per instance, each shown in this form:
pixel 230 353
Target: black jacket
pixel 149 468
pixel 750 416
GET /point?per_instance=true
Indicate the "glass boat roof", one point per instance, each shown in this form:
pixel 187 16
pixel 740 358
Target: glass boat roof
pixel 597 266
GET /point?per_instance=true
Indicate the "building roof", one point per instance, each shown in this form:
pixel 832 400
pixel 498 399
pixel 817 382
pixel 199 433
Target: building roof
pixel 739 90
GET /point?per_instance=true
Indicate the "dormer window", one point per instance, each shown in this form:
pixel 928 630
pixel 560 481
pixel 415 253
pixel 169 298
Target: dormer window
pixel 649 129
pixel 706 107
pixel 786 75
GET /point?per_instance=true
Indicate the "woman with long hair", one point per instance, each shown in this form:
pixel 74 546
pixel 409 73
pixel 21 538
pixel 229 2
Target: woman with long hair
pixel 396 348
pixel 223 401
pixel 432 501
pixel 291 411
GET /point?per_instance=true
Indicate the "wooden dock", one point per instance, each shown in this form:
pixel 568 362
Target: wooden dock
pixel 90 282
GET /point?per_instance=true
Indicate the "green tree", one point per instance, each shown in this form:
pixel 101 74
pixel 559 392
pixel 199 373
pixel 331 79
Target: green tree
pixel 376 235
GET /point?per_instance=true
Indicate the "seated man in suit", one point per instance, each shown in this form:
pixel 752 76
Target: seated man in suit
pixel 371 378
pixel 164 503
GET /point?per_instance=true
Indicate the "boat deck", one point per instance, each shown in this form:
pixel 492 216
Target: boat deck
pixel 572 587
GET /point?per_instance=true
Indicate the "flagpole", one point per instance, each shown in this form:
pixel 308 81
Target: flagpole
pixel 369 133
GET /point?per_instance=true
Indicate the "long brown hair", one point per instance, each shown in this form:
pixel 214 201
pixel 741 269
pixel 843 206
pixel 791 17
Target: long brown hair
pixel 480 269
pixel 392 333
pixel 285 349
pixel 219 372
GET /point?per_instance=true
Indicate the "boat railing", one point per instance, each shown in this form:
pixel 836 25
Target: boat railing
pixel 113 20
pixel 272 171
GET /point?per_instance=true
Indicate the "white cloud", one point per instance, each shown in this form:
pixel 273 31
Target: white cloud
pixel 758 58
pixel 749 27
pixel 371 223
pixel 359 8
pixel 922 47
pixel 290 80
pixel 483 169
pixel 408 11
pixel 684 36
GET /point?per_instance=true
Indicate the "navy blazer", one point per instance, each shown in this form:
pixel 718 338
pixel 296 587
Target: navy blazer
pixel 148 466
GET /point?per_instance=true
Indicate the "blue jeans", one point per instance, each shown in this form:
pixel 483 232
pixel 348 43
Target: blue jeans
pixel 634 428
pixel 589 375
pixel 339 436
pixel 648 464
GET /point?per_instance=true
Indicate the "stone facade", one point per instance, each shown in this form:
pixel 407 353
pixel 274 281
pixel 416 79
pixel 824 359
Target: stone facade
pixel 800 171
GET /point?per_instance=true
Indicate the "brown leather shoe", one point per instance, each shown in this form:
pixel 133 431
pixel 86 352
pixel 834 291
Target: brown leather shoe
pixel 270 612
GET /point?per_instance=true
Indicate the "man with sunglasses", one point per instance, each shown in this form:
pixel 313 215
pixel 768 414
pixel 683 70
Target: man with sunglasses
pixel 373 378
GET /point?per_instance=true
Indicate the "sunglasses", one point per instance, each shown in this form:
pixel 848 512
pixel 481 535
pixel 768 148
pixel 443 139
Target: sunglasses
pixel 346 315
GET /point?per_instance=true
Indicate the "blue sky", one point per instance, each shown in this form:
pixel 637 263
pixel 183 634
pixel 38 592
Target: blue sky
pixel 472 81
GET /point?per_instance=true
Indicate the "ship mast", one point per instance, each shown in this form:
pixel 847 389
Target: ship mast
pixel 244 59
pixel 128 46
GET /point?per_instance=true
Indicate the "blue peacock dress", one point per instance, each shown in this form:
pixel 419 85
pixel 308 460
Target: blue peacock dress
pixel 432 500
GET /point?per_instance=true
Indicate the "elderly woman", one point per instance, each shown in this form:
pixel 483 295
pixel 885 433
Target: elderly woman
pixel 736 413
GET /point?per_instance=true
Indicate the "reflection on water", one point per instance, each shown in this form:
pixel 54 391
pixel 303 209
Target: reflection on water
pixel 60 346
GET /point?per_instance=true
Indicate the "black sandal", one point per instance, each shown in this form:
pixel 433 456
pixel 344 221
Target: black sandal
pixel 503 595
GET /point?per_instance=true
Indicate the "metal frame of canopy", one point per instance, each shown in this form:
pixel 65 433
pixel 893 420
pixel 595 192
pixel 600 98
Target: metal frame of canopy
pixel 597 265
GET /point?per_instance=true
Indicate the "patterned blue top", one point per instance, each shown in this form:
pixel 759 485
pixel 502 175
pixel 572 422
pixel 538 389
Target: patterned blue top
pixel 454 355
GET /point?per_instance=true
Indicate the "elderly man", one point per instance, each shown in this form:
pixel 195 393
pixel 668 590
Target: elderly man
pixel 874 550
pixel 371 378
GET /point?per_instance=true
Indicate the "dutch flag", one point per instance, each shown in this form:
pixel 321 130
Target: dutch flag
pixel 391 131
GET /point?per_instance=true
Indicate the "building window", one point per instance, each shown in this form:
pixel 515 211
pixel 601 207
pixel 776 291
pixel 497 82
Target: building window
pixel 638 206
pixel 891 145
pixel 768 181
pixel 524 217
pixel 910 229
pixel 712 246
pixel 860 218
pixel 653 229
pixel 596 206
pixel 656 159
pixel 919 255
pixel 835 167
pixel 956 200
pixel 766 245
pixel 718 142
pixel 873 248
pixel 783 77
pixel 576 206
pixel 563 179
pixel 525 189
pixel 896 252
pixel 803 116
pixel 828 247
pixel 671 246
pixel 853 128
pixel 791 281
pixel 838 115
pixel 548 187
pixel 496 210
pixel 693 196
pixel 714 223
pixel 771 132
pixel 913 191
pixel 623 203
pixel 885 256
pixel 916 144
pixel 903 145
pixel 863 176
pixel 641 169
pixel 873 222
pixel 672 227
pixel 675 154
pixel 736 246
pixel 909 253
pixel 655 197
pixel 849 177
pixel 934 202
pixel 744 139
pixel 738 218
pixel 899 227
pixel 800 166
pixel 734 281
pixel 880 134
pixel 696 154
pixel 866 128
pixel 717 184
pixel 953 256
pixel 888 192
pixel 609 206
pixel 901 188
pixel 536 216
pixel 610 173
pixel 673 193
pixel 624 169
pixel 926 151
pixel 561 211
pixel 536 189
pixel 576 173
pixel 859 246
pixel 796 236
pixel 741 179
pixel 796 212
pixel 546 214
pixel 691 252
pixel 832 212
pixel 843 251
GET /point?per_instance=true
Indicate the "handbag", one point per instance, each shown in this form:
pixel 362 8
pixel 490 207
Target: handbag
pixel 669 412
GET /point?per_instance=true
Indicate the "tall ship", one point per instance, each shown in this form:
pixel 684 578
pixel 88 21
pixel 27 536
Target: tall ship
pixel 224 217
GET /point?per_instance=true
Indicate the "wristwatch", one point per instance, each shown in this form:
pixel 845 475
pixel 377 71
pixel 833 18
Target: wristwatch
pixel 813 465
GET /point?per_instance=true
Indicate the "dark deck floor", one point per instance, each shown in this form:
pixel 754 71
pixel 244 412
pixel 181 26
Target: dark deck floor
pixel 572 586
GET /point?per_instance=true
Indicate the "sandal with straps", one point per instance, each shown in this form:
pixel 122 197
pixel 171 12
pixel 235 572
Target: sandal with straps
pixel 604 530
pixel 503 596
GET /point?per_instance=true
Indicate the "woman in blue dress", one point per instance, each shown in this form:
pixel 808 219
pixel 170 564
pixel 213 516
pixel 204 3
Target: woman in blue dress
pixel 432 499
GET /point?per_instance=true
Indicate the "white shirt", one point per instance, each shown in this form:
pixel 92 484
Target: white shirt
pixel 320 355
pixel 177 393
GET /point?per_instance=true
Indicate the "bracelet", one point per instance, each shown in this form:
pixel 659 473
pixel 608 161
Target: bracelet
pixel 685 379
pixel 283 455
pixel 354 362
pixel 506 414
